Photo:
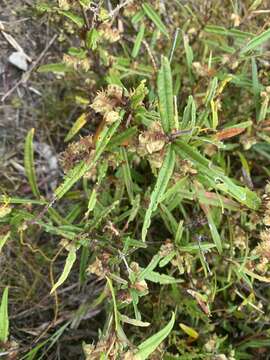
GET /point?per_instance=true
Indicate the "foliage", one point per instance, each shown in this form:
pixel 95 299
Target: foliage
pixel 164 199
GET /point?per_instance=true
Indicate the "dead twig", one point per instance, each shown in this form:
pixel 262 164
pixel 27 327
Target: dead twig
pixel 10 39
pixel 27 74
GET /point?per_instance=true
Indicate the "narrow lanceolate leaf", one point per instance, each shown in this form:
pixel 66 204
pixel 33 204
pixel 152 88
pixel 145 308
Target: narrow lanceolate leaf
pixel 3 240
pixel 189 331
pixel 216 176
pixel 138 41
pixel 67 268
pixel 152 14
pixel 4 321
pixel 165 96
pixel 127 174
pixel 160 187
pixel 79 170
pixel 228 133
pixel 149 346
pixel 29 163
pixel 256 42
pixel 212 227
pixel 79 123
pixel 54 68
pixel 161 279
pixel 78 20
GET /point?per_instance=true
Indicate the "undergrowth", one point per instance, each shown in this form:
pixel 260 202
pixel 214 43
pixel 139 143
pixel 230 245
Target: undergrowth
pixel 156 243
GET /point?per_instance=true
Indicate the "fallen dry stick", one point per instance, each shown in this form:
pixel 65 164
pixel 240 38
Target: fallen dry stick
pixel 27 74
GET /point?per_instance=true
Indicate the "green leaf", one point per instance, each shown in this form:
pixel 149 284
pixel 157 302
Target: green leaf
pixel 127 174
pixel 189 54
pixel 29 163
pixel 216 176
pixel 123 137
pixel 161 279
pixel 256 87
pixel 138 41
pixel 160 187
pixel 165 95
pixel 138 95
pixel 220 30
pixel 116 314
pixel 55 68
pixel 3 240
pixel 76 127
pixel 92 38
pixel 4 320
pixel 151 266
pixel 79 53
pixel 213 228
pixel 256 42
pixel 135 208
pixel 151 13
pixel 78 20
pixel 149 346
pixel 189 113
pixel 71 258
pixel 211 91
pixel 85 3
pixel 79 170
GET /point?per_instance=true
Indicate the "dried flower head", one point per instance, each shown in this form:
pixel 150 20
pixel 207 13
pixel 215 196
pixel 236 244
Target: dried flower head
pixel 131 9
pixel 109 346
pixel 156 160
pixel 240 238
pixel 183 262
pixel 266 218
pixel 77 151
pixel 108 33
pixel 236 19
pixel 97 268
pixel 152 140
pixel 111 117
pixel 166 248
pixel 77 63
pixel 102 103
pixel 108 100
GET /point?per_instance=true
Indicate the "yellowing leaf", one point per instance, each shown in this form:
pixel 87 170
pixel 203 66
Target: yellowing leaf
pixel 76 127
pixel 189 331
pixel 3 240
pixel 67 268
pixel 4 210
pixel 228 133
